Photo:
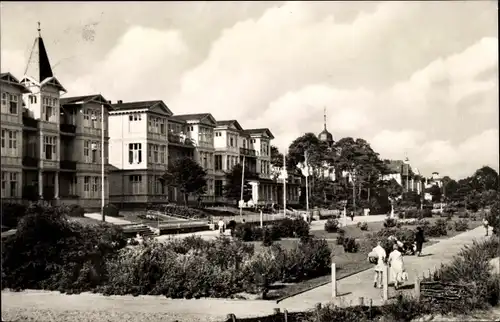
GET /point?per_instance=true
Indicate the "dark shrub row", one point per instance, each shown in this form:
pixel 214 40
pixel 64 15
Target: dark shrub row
pixel 13 212
pixel 286 228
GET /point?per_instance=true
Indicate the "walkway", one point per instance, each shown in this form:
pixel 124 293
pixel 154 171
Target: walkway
pixel 359 285
pixel 112 220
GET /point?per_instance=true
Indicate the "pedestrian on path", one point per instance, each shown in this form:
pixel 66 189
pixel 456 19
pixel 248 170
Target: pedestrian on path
pixel 381 255
pixel 419 240
pixel 485 224
pixel 221 226
pixel 396 264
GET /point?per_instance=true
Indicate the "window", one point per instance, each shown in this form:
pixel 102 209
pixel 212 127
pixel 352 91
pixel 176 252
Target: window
pixel 33 99
pixel 49 109
pixel 86 118
pixel 205 161
pixel 155 153
pixel 96 152
pixel 95 186
pixel 135 184
pixel 231 142
pixel 86 186
pixel 135 153
pixel 163 152
pixel 13 104
pixel 49 147
pixel 4 184
pixel 9 143
pixel 73 184
pixel 218 188
pixel 218 162
pixel 4 101
pixel 86 151
pixel 132 124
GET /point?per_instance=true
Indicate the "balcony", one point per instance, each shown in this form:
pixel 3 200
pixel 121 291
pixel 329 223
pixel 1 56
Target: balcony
pixel 67 128
pixel 248 152
pixel 30 162
pixel 176 139
pixel 67 165
pixel 30 123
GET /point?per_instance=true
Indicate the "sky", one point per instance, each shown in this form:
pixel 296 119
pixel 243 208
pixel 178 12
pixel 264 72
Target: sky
pixel 414 79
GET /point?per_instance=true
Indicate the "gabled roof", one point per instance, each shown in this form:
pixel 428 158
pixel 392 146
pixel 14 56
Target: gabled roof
pixel 96 98
pixel 260 132
pixel 200 117
pixel 11 80
pixel 157 105
pixel 229 123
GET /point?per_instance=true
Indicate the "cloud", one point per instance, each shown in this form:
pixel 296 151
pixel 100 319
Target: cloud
pixel 131 70
pixel 13 61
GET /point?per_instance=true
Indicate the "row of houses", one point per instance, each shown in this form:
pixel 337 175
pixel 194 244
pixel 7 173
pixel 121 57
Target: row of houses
pixel 54 146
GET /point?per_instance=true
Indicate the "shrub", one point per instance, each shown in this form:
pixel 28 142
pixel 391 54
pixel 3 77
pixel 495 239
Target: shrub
pixel 340 236
pixel 390 222
pixel 332 225
pixel 461 225
pixel 48 252
pixel 350 245
pixel 283 229
pixel 493 217
pixel 184 212
pixel 438 229
pixel 425 213
pixel 12 213
pixel 267 238
pixel 293 228
pixel 364 226
pixel 111 211
pixel 72 210
pixel 405 309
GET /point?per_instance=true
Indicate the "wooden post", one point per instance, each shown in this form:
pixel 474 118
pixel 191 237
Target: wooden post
pixel 334 281
pixel 385 281
pixel 285 312
pixel 361 301
pixel 417 287
pixel 370 305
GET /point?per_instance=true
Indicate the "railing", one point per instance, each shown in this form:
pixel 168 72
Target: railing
pixel 30 162
pixel 30 122
pixel 67 165
pixel 67 128
pixel 248 152
pixel 176 138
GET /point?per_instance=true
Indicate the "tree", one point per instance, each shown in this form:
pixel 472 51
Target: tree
pixel 232 189
pixel 276 157
pixel 485 179
pixel 435 192
pixel 394 189
pixel 316 151
pixel 493 217
pixel 450 189
pixel 188 176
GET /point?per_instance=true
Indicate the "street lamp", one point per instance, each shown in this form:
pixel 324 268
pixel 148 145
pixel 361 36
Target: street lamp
pixel 284 175
pixel 305 169
pixel 94 118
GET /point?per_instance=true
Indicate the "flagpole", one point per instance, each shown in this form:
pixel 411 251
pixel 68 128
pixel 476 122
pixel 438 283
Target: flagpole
pixel 307 185
pixel 242 185
pixel 284 184
pixel 102 164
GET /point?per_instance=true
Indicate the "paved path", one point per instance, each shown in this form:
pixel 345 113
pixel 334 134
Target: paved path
pixel 359 285
pixel 112 220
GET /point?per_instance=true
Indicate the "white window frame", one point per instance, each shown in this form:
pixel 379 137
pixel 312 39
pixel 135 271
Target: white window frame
pixel 135 150
pixel 49 140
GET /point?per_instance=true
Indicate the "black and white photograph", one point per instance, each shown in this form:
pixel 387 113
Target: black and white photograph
pixel 249 161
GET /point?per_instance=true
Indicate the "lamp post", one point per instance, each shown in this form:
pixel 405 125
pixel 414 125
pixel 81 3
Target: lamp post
pixel 283 175
pixel 102 161
pixel 304 168
pixel 242 186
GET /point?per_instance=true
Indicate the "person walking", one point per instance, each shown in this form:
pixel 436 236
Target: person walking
pixel 221 225
pixel 379 253
pixel 419 240
pixel 485 224
pixel 396 264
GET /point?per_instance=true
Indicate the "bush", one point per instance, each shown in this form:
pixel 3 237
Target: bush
pixel 438 229
pixel 49 252
pixel 72 210
pixel 284 229
pixel 350 245
pixel 364 226
pixel 12 213
pixel 390 222
pixel 461 225
pixel 493 217
pixel 267 238
pixel 111 211
pixel 293 228
pixel 340 236
pixel 184 212
pixel 332 225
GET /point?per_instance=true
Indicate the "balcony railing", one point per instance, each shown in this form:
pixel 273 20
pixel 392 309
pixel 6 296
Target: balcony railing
pixel 248 152
pixel 67 165
pixel 30 162
pixel 30 122
pixel 181 140
pixel 67 128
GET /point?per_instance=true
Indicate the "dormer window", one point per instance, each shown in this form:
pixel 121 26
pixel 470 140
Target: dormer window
pixel 32 99
pixel 48 109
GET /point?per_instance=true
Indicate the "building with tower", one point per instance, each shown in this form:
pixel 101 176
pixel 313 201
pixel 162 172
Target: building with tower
pixel 44 137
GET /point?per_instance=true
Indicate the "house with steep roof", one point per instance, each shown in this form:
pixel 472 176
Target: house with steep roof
pixel 401 171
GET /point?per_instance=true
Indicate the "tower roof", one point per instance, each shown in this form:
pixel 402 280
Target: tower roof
pixel 325 135
pixel 38 68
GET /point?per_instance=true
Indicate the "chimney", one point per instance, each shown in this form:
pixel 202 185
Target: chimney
pixel 109 102
pixel 120 102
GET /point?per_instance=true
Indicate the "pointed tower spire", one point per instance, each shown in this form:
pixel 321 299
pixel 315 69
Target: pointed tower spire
pixel 38 66
pixel 324 117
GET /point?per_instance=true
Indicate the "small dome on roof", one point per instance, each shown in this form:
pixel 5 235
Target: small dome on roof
pixel 325 136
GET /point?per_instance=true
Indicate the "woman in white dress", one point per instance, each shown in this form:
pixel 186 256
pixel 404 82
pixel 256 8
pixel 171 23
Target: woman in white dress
pixel 395 261
pixel 377 256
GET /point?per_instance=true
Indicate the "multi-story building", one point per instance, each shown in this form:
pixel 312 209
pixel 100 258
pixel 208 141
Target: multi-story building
pixel 42 137
pixel 200 132
pixel 139 145
pixel 401 171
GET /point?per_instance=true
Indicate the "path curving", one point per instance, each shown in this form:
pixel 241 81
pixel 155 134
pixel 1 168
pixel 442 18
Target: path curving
pixel 358 285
